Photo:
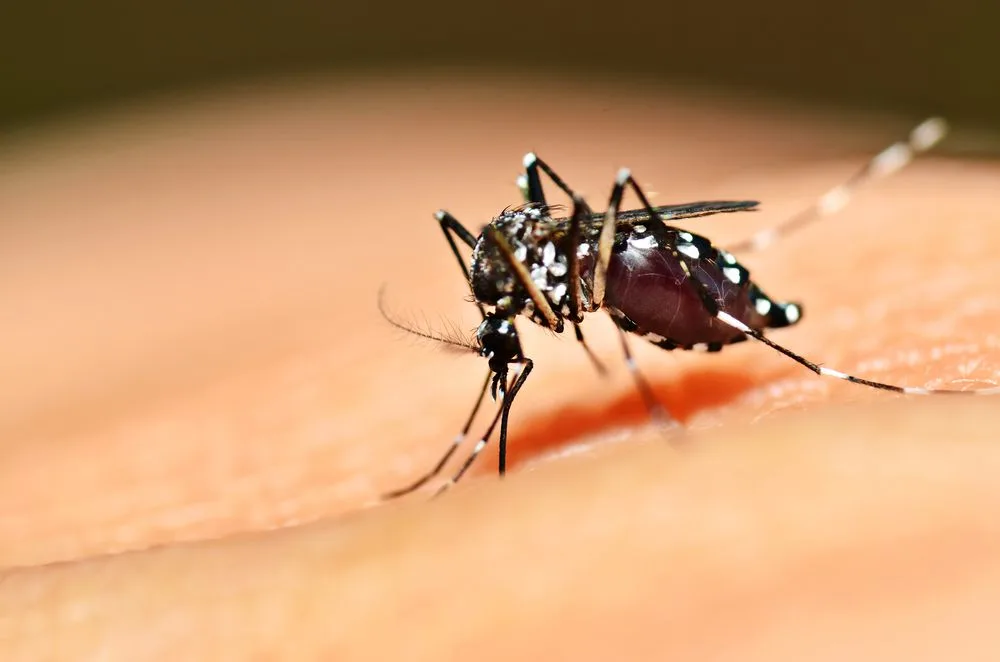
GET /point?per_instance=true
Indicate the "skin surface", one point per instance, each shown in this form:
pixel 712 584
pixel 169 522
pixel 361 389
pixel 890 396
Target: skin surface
pixel 202 402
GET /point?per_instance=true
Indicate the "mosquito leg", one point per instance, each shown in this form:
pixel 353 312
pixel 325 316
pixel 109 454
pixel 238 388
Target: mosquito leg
pixel 607 238
pixel 459 438
pixel 686 261
pixel 713 308
pixel 890 160
pixel 598 365
pixel 451 228
pixel 823 371
pixel 570 247
pixel 531 184
pixel 502 417
pixel 657 411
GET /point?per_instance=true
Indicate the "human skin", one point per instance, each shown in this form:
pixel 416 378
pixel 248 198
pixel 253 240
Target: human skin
pixel 203 403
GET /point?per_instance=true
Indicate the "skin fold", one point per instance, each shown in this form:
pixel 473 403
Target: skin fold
pixel 203 404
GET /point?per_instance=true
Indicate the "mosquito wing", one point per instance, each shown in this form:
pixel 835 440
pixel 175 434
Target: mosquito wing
pixel 686 210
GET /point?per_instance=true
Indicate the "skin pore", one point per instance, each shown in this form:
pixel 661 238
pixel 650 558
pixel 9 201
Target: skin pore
pixel 203 403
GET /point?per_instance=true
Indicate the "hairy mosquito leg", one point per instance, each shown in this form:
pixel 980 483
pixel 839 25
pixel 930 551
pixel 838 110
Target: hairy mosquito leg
pixel 890 160
pixel 823 371
pixel 502 416
pixel 459 438
pixel 656 410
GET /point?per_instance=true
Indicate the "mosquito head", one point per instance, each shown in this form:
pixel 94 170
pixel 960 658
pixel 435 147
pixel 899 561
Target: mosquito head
pixel 499 343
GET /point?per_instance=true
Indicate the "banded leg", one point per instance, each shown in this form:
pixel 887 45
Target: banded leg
pixel 451 227
pixel 890 160
pixel 713 308
pixel 656 410
pixel 823 371
pixel 502 416
pixel 456 442
pixel 530 182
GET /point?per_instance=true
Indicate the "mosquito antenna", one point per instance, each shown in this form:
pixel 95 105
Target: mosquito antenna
pixel 452 338
pixel 892 159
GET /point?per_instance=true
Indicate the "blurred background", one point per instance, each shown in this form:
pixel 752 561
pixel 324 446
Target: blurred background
pixel 190 255
pixel 911 56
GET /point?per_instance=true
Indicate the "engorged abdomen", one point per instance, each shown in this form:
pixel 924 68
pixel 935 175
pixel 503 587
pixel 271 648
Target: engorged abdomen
pixel 650 288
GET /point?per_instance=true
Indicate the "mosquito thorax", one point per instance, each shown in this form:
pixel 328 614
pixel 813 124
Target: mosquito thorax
pixel 537 242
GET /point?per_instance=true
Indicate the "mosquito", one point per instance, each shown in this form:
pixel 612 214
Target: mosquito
pixel 667 285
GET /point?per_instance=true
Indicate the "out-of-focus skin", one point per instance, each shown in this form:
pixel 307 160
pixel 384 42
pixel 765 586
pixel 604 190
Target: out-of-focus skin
pixel 195 372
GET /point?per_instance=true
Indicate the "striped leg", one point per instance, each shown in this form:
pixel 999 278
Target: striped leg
pixel 823 371
pixel 890 160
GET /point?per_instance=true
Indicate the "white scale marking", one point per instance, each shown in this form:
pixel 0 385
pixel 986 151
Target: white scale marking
pixel 549 254
pixel 891 159
pixel 540 275
pixel 644 242
pixel 733 274
pixel 689 250
pixel 928 133
pixel 763 239
pixel 792 313
pixel 725 317
pixel 830 372
pixel 834 200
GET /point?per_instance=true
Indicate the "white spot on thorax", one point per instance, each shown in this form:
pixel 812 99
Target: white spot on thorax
pixel 558 292
pixel 549 254
pixel 541 276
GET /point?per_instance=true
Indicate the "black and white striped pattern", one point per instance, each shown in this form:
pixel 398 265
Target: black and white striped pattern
pixel 887 162
pixel 823 371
